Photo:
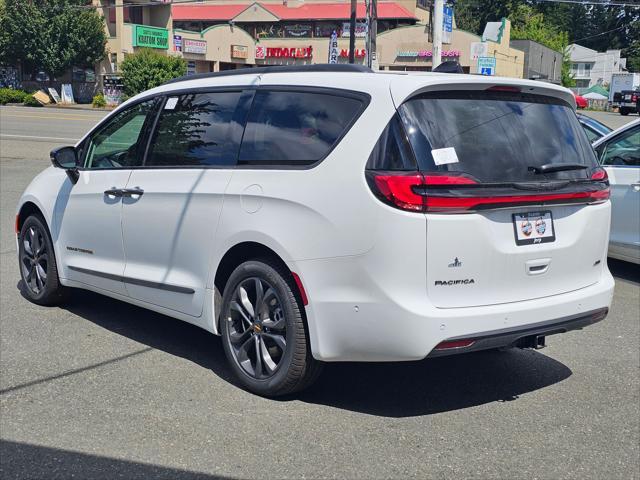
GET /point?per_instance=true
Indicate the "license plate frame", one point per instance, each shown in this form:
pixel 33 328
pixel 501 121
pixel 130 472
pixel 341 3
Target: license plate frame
pixel 539 224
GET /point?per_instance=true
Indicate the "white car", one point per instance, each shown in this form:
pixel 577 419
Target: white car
pixel 328 213
pixel 619 154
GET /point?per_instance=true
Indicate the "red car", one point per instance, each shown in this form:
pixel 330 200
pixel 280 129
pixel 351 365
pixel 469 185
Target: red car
pixel 581 102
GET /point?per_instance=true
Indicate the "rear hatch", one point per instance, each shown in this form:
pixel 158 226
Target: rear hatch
pixel 507 181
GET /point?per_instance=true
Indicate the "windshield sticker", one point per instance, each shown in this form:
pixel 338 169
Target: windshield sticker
pixel 171 103
pixel 443 156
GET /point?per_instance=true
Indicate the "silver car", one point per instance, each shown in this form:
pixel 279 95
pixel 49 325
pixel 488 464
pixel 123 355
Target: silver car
pixel 619 154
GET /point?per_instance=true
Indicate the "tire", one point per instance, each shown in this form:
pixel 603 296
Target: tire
pixel 37 263
pixel 262 313
pixel 624 112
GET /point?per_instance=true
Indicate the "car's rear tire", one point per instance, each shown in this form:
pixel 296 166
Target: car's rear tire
pixel 37 263
pixel 263 329
pixel 624 111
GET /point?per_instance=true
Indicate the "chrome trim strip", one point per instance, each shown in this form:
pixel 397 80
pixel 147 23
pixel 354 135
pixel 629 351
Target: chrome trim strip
pixel 134 281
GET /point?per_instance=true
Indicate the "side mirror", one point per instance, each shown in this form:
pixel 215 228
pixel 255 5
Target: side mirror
pixel 67 159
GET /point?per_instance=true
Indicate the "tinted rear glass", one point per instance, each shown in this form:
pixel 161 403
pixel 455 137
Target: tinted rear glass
pixel 290 128
pixel 495 136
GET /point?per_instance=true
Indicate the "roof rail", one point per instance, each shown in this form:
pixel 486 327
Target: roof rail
pixel 319 67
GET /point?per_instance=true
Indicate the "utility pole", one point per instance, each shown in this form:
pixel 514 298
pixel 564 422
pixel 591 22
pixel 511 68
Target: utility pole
pixel 372 32
pixel 436 34
pixel 352 31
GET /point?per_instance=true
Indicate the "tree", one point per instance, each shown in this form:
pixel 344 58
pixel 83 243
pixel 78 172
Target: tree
pixel 147 69
pixel 52 35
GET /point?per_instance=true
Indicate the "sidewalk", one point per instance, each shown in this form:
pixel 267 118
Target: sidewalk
pixel 77 106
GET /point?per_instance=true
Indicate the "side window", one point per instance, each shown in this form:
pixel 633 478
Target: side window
pixel 295 128
pixel 197 129
pixel 119 144
pixel 392 151
pixel 591 135
pixel 623 150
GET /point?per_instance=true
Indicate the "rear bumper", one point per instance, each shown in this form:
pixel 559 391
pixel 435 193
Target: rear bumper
pixel 358 315
pixel 511 337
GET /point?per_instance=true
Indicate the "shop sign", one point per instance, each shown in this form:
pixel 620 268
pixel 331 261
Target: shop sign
pixel 358 53
pixel 191 67
pixel 298 30
pixel 427 53
pixel 177 43
pixel 333 48
pixel 293 52
pixel 67 93
pixel 261 52
pixel 152 37
pixel 361 29
pixel 194 46
pixel 478 49
pixel 239 51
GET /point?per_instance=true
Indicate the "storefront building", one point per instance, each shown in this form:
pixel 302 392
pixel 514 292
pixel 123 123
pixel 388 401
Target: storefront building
pixel 220 35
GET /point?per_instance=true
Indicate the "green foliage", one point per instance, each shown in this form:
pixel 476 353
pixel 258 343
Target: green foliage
pixel 50 35
pixel 9 95
pixel 29 101
pixel 147 69
pixel 99 101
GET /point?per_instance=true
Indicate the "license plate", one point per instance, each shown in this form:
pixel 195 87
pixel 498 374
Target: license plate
pixel 533 227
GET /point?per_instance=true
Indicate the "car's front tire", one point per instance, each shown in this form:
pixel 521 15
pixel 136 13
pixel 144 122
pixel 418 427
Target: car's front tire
pixel 263 330
pixel 37 262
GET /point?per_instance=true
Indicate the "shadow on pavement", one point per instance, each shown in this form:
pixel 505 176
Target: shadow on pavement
pixel 23 460
pixel 624 270
pixel 401 389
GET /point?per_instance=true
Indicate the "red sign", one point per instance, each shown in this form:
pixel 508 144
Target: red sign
pixel 359 52
pixel 293 52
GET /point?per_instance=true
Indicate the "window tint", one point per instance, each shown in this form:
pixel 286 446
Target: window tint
pixel 196 129
pixel 496 136
pixel 624 150
pixel 120 143
pixel 295 128
pixel 392 151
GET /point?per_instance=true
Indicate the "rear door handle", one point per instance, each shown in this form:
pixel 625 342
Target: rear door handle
pixel 132 192
pixel 113 192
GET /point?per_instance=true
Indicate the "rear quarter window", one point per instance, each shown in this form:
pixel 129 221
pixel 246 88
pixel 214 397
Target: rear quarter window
pixel 296 127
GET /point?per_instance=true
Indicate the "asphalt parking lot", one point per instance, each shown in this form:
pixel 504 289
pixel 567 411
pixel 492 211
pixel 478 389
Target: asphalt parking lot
pixel 102 389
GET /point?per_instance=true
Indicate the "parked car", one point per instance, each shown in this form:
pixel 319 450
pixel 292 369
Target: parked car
pixel 581 102
pixel 593 128
pixel 329 213
pixel 619 154
pixel 629 102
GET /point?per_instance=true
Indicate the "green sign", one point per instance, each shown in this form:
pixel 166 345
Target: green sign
pixel 152 37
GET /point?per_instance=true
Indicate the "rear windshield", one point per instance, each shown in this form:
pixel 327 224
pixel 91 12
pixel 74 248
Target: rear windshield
pixel 495 136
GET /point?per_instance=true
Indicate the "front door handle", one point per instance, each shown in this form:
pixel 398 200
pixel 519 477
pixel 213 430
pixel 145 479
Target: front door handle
pixel 132 192
pixel 113 192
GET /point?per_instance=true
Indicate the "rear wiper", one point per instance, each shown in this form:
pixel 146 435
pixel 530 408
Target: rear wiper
pixel 557 167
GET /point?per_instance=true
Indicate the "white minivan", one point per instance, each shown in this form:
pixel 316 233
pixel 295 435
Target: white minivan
pixel 329 213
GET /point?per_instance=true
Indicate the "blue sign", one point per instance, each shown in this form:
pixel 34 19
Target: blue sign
pixel 447 24
pixel 487 65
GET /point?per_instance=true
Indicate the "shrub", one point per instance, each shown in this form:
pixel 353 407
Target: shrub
pixel 147 69
pixel 99 101
pixel 29 101
pixel 9 95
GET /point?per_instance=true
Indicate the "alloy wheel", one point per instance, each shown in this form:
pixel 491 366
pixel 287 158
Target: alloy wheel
pixel 257 328
pixel 34 260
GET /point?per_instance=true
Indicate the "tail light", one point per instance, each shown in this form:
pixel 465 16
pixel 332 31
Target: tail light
pixel 458 193
pixel 634 98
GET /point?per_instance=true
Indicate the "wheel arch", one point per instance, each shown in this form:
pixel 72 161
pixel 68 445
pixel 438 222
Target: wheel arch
pixel 26 209
pixel 240 253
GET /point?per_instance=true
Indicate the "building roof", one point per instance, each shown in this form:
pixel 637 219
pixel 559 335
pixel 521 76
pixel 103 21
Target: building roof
pixel 206 12
pixel 315 11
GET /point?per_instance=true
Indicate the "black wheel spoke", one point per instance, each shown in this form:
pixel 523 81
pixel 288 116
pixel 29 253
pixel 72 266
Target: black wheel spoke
pixel 34 259
pixel 279 340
